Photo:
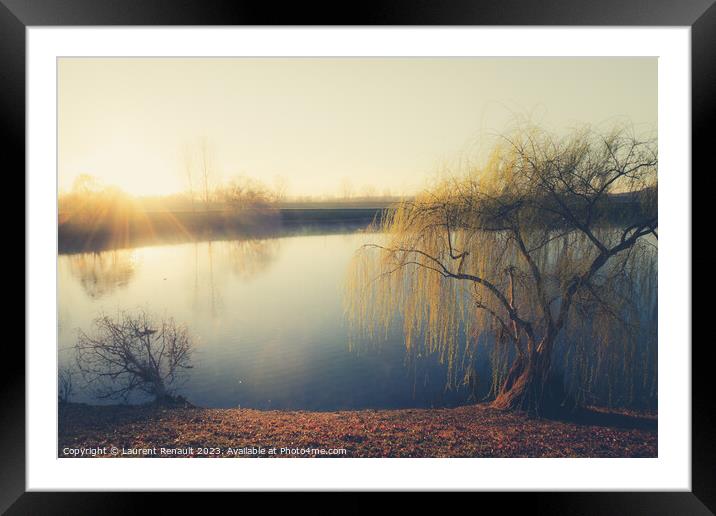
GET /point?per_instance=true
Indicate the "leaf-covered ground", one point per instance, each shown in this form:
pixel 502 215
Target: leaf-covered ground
pixel 470 431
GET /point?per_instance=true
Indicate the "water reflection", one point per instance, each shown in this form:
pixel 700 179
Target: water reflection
pixel 214 263
pixel 268 319
pixel 102 273
pixel 269 324
pixel 251 257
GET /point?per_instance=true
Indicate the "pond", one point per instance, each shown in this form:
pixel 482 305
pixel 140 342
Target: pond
pixel 267 317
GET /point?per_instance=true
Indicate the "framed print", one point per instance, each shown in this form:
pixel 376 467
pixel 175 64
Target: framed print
pixel 425 244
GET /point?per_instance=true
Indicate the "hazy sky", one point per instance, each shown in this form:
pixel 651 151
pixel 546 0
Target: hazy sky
pixel 388 123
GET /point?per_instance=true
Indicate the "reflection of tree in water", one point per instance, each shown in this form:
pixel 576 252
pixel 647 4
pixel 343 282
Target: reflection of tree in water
pixel 102 273
pixel 248 258
pixel 243 258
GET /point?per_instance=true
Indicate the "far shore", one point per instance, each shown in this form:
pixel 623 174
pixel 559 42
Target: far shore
pixel 467 431
pixel 166 227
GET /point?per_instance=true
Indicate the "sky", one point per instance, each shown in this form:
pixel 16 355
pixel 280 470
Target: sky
pixel 317 125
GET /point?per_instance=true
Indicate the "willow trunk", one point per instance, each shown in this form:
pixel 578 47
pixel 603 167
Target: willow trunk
pixel 530 385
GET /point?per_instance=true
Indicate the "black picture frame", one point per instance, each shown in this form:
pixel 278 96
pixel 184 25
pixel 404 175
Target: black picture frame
pixel 16 15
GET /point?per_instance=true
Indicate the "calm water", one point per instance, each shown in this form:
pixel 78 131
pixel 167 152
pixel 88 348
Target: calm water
pixel 267 317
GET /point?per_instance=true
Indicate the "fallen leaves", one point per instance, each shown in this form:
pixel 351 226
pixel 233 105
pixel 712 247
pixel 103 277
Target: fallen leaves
pixel 470 431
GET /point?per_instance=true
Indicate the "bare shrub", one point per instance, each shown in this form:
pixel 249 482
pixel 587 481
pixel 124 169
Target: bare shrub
pixel 132 353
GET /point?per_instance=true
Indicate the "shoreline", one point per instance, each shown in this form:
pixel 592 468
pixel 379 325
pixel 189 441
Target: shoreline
pixel 466 431
pixel 166 228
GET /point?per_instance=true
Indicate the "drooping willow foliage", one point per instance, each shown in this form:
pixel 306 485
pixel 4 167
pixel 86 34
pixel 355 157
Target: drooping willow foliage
pixel 548 249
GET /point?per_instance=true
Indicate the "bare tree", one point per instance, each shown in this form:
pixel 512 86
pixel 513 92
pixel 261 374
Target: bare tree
pixel 188 168
pixel 242 193
pixel 280 189
pixel 206 162
pixel 368 192
pixel 65 387
pixel 346 188
pixel 550 233
pixel 133 353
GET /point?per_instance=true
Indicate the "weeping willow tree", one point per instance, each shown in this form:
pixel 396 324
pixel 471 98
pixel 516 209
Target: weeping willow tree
pixel 550 239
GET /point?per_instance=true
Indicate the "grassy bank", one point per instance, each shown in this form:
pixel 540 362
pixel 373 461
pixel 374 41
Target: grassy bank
pixel 470 431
